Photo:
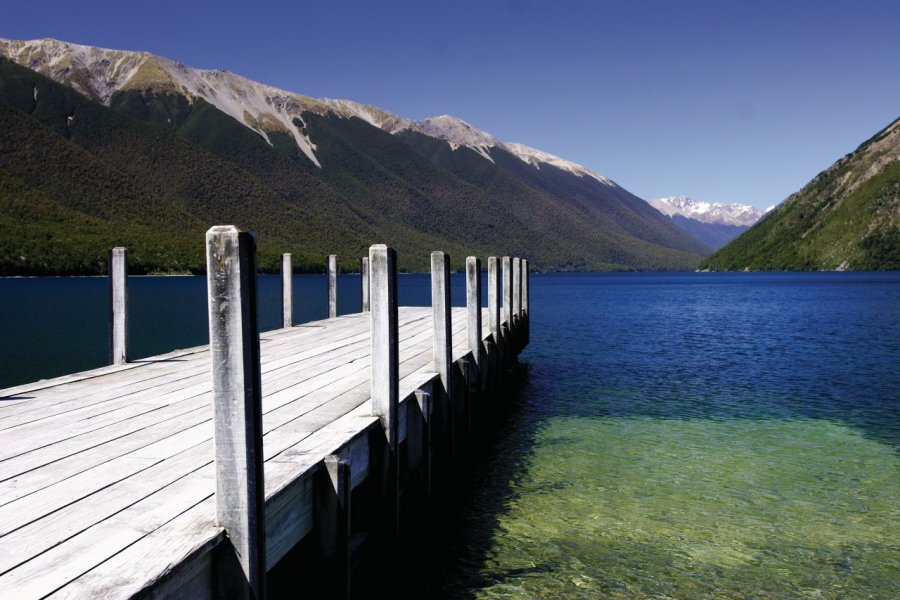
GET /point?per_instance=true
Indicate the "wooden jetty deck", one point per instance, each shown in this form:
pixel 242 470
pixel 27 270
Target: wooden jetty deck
pixel 108 478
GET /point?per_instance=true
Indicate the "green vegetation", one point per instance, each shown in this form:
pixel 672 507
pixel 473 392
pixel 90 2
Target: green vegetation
pixel 154 170
pixel 848 217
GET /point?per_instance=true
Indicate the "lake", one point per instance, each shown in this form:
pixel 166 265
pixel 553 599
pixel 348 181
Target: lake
pixel 692 435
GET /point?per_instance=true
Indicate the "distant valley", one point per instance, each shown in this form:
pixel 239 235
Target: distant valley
pixel 714 224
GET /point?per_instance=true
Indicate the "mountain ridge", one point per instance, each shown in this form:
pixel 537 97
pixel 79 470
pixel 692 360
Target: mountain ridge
pixel 708 212
pixel 385 181
pixel 114 71
pixel 846 218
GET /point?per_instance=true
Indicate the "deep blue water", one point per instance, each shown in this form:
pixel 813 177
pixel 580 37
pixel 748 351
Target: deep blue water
pixel 53 326
pixel 678 435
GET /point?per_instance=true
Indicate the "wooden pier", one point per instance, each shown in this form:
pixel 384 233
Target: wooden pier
pixel 192 474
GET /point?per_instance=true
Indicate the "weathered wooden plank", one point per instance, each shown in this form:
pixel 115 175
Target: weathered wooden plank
pixel 69 465
pixel 176 555
pixel 336 402
pixel 58 525
pixel 23 511
pixel 141 443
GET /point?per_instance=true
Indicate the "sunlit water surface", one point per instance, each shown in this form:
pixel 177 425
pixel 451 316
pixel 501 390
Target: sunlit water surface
pixel 693 436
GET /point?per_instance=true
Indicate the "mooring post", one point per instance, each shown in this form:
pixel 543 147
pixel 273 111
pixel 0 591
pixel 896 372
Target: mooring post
pixel 332 286
pixel 494 307
pixel 386 368
pixel 423 399
pixel 332 514
pixel 287 291
pixel 516 287
pixel 524 286
pixel 118 305
pixel 473 312
pixel 507 291
pixel 443 335
pixel 364 283
pixel 237 408
pixel 507 350
pixel 516 318
pixel 525 312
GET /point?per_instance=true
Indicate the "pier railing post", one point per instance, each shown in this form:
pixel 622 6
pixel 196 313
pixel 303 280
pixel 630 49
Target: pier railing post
pixel 507 351
pixel 516 318
pixel 237 407
pixel 525 310
pixel 386 368
pixel 443 335
pixel 423 399
pixel 507 291
pixel 332 514
pixel 473 312
pixel 494 306
pixel 516 287
pixel 332 286
pixel 364 284
pixel 118 306
pixel 287 291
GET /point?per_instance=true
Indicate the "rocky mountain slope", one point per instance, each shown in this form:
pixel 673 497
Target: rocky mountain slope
pixel 846 218
pixel 174 149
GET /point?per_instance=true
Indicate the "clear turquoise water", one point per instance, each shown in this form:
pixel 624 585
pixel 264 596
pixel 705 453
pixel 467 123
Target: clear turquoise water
pixel 678 436
pixel 692 436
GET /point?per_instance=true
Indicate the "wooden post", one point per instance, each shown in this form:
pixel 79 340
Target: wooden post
pixel 507 291
pixel 118 306
pixel 332 514
pixel 494 306
pixel 473 309
pixel 287 291
pixel 443 334
pixel 364 283
pixel 332 286
pixel 525 286
pixel 423 399
pixel 237 406
pixel 525 311
pixel 516 287
pixel 386 367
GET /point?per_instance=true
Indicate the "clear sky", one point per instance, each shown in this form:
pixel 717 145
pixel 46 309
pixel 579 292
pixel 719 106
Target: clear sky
pixel 725 101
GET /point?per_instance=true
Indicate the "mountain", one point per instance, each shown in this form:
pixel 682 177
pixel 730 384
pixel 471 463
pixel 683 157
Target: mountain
pixel 714 224
pixel 139 150
pixel 846 218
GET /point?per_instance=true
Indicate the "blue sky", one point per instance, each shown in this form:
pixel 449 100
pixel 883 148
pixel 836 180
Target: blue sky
pixel 728 101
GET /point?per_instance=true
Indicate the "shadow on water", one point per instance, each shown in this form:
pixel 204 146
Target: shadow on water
pixel 782 363
pixel 445 543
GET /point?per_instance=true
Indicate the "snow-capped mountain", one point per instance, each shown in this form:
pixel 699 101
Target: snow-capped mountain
pixel 713 223
pixel 99 73
pixel 708 212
